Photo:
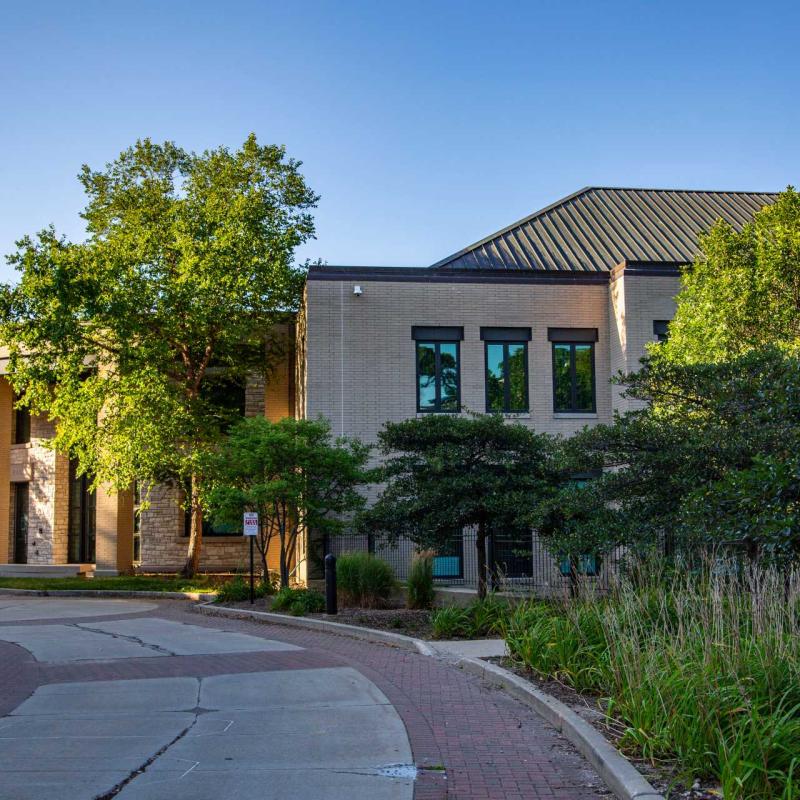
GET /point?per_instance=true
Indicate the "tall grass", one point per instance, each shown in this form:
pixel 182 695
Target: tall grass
pixel 703 669
pixel 364 580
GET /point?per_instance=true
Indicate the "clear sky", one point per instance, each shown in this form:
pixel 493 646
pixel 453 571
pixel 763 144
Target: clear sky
pixel 423 125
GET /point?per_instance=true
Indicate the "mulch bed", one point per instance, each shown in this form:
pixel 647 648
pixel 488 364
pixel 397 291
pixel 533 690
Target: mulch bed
pixel 397 620
pixel 663 776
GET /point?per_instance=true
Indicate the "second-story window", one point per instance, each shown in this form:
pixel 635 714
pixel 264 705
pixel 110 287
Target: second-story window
pixel 22 425
pixel 438 368
pixel 506 369
pixel 573 369
pixel 661 329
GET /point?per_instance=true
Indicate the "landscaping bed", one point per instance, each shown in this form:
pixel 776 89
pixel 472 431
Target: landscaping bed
pixel 663 775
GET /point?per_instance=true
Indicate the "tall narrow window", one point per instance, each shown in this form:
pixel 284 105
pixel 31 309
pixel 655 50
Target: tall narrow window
pixel 506 369
pixel 22 425
pixel 573 369
pixel 438 368
pixel 137 523
pixel 82 518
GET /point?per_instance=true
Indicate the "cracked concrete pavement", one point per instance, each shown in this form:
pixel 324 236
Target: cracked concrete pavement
pixel 124 699
pixel 281 733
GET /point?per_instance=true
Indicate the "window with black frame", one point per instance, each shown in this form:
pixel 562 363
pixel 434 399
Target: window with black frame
pixel 661 329
pixel 137 523
pixel 448 562
pixel 573 369
pixel 22 425
pixel 438 368
pixel 210 527
pixel 506 351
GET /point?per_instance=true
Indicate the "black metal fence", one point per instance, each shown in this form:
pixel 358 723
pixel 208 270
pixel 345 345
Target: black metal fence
pixel 517 562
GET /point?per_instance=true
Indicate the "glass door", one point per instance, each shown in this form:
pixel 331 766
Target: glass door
pixel 20 523
pixel 82 515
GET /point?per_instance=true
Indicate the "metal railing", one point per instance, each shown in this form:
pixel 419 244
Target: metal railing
pixel 517 563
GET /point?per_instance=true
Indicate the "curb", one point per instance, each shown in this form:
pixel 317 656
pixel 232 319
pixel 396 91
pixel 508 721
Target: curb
pixel 624 780
pixel 196 596
pixel 322 626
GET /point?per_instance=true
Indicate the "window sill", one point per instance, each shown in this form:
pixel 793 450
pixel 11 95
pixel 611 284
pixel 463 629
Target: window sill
pixel 421 414
pixel 575 415
pixel 513 414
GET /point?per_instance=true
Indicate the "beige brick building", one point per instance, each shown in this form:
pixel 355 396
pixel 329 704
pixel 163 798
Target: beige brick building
pixel 531 322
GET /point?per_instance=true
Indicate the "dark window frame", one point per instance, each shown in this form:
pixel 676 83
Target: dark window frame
pixel 22 425
pixel 506 381
pixel 572 376
pixel 661 330
pixel 453 550
pixel 81 532
pixel 438 375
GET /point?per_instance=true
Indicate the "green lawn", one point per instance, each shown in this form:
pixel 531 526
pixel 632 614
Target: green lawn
pixel 136 583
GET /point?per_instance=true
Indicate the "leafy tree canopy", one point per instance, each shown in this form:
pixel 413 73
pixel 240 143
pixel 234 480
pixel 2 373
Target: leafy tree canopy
pixel 294 475
pixel 446 472
pixel 187 267
pixel 713 460
pixel 743 290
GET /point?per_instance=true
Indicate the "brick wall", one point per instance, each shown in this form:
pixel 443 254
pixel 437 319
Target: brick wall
pixel 636 301
pixel 360 358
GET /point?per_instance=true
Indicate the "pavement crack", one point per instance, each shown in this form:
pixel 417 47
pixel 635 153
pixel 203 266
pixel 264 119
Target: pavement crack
pixel 128 638
pixel 141 769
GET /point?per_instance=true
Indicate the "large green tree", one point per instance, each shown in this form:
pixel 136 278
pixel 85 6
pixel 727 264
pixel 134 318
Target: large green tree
pixel 743 290
pixel 131 339
pixel 712 460
pixel 295 475
pixel 444 472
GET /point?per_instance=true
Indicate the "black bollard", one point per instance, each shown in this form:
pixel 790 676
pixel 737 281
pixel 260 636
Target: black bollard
pixel 330 584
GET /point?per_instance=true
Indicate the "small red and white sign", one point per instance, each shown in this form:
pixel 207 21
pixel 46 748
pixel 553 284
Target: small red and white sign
pixel 250 523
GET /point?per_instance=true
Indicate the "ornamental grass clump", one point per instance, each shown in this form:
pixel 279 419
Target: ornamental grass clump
pixel 420 591
pixel 703 670
pixel 364 580
pixel 484 617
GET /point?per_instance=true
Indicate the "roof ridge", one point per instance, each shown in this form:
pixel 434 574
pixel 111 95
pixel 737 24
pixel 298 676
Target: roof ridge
pixel 672 189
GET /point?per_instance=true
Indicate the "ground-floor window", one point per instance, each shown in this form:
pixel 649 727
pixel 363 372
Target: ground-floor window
pixel 20 522
pixel 137 523
pixel 82 518
pixel 449 559
pixel 512 551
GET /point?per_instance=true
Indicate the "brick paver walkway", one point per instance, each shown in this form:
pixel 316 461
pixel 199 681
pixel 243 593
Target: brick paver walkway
pixel 470 741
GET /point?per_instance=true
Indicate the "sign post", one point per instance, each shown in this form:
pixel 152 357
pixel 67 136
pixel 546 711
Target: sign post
pixel 250 529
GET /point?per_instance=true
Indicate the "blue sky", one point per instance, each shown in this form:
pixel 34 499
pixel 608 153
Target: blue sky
pixel 424 126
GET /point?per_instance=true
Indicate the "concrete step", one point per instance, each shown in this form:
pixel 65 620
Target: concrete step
pixel 45 570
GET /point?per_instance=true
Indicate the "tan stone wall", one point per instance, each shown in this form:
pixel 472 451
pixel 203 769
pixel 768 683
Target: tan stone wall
pixel 164 544
pixel 360 357
pixel 255 396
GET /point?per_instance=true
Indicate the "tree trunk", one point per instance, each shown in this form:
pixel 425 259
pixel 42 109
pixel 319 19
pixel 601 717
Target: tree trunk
pixel 195 530
pixel 263 550
pixel 480 544
pixel 284 566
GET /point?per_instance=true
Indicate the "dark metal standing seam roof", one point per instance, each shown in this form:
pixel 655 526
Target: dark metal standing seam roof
pixel 597 228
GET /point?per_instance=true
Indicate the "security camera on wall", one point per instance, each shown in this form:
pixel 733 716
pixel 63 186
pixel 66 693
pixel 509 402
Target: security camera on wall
pixel 358 291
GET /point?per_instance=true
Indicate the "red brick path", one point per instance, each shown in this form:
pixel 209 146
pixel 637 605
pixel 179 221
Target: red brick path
pixel 490 746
